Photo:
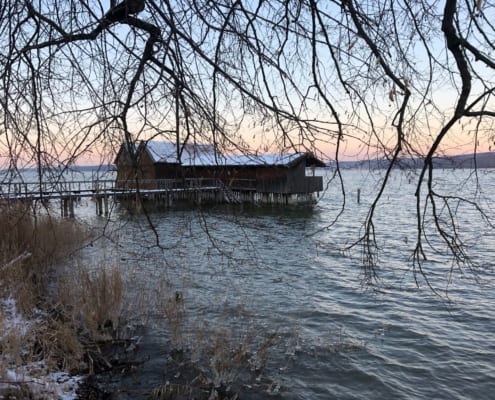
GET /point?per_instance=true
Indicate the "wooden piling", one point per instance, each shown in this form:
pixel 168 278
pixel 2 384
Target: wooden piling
pixel 64 207
pixel 105 200
pixel 99 205
pixel 71 207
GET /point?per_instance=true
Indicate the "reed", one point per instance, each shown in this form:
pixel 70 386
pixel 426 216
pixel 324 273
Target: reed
pixel 56 318
pixel 55 341
pixel 224 355
pixel 30 245
pixel 95 300
pixel 171 305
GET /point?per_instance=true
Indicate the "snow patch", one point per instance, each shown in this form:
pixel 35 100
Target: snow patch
pixel 34 376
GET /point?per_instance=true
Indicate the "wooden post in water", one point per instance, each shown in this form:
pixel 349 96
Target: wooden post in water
pixel 138 206
pixel 71 207
pixel 64 207
pixel 105 200
pixel 99 205
pixel 359 196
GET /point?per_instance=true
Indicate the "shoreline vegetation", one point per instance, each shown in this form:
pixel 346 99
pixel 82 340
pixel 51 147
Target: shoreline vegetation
pixel 52 326
pixel 66 333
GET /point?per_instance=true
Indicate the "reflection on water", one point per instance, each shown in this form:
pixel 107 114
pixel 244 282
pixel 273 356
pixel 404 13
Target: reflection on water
pixel 285 273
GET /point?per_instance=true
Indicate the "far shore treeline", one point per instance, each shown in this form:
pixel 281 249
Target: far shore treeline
pixel 468 161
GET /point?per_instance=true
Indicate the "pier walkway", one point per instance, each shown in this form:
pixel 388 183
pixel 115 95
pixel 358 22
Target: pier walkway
pixel 164 191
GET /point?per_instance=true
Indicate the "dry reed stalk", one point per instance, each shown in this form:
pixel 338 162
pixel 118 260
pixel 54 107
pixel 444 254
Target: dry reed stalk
pixel 55 341
pixel 171 391
pixel 11 345
pixel 30 245
pixel 174 310
pixel 223 354
pixel 95 299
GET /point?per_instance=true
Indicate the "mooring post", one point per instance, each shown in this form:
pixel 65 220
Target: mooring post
pixel 105 200
pixel 359 196
pixel 64 210
pixel 138 205
pixel 100 205
pixel 71 207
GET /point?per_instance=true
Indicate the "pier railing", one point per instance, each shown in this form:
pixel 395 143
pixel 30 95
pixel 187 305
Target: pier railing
pixel 52 188
pixel 163 191
pixel 84 188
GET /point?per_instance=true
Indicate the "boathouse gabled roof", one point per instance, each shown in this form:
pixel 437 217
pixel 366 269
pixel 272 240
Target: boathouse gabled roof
pixel 192 154
pixel 203 155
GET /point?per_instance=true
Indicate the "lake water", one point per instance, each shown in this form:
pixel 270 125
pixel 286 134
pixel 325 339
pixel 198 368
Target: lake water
pixel 283 284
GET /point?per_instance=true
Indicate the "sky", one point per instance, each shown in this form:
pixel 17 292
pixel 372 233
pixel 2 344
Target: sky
pixel 347 74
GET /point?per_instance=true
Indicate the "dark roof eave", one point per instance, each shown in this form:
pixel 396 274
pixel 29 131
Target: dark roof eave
pixel 313 160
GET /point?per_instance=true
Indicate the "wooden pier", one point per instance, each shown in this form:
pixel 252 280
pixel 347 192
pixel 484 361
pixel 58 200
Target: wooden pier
pixel 163 192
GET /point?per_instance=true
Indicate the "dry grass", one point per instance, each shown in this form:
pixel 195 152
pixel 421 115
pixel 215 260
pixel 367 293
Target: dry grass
pixel 171 304
pixel 170 391
pixel 217 365
pixel 208 359
pixel 64 334
pixel 95 299
pixel 47 324
pixel 11 344
pixel 29 245
pixel 225 354
pixel 56 342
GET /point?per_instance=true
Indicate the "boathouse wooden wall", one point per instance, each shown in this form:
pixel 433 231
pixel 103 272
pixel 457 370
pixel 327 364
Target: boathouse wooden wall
pixel 277 179
pixel 145 168
pixel 245 177
pixel 124 165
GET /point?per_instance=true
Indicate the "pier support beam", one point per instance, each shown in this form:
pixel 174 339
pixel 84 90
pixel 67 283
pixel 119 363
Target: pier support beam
pixel 67 207
pixel 105 200
pixel 99 205
pixel 63 207
pixel 71 207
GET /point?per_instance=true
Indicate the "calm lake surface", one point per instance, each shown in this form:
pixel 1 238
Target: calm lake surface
pixel 284 278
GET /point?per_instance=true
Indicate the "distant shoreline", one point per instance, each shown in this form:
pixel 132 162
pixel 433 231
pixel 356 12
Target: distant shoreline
pixel 466 161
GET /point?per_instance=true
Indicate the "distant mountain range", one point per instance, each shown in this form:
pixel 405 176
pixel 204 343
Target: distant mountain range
pixel 469 161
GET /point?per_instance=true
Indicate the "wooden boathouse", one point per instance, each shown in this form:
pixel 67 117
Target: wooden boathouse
pixel 197 172
pixel 170 174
